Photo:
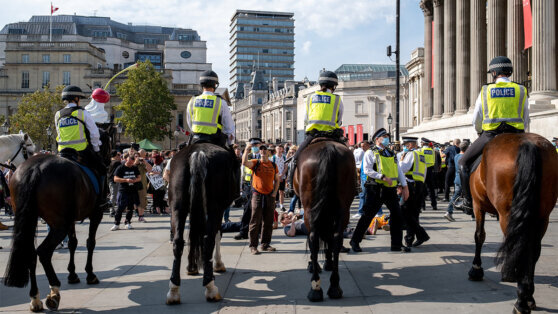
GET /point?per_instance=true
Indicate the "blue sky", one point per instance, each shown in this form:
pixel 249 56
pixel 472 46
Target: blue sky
pixel 328 33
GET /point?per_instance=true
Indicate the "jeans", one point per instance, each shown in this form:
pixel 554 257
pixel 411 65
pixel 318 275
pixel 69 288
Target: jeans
pixel 294 200
pixel 456 194
pixel 362 197
pixel 226 214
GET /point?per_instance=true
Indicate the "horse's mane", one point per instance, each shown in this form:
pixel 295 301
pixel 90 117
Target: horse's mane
pixel 11 139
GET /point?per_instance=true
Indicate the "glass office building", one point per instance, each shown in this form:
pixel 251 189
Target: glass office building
pixel 261 40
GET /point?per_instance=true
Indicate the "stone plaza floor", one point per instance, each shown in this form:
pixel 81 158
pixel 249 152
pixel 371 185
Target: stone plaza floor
pixel 134 269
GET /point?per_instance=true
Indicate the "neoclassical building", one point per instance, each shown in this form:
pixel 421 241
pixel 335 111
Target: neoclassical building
pixel 460 39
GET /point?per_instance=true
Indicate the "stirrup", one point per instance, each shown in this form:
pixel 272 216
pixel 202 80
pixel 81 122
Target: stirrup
pixel 466 207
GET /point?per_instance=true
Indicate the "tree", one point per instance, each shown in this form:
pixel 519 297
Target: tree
pixel 147 103
pixel 35 112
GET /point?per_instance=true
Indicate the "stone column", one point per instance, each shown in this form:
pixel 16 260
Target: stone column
pixel 478 49
pixel 496 23
pixel 516 41
pixel 449 58
pixel 427 99
pixel 544 52
pixel 438 58
pixel 462 57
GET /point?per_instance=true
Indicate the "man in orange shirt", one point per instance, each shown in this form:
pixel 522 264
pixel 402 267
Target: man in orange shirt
pixel 265 182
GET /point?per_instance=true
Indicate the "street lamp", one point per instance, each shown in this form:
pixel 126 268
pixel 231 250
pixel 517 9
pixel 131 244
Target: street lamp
pixel 390 121
pixel 49 133
pixel 6 127
pixel 119 128
pixel 176 134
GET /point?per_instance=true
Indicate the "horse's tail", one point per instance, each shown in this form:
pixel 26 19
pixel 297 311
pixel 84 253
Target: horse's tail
pixel 198 201
pixel 324 213
pixel 23 252
pixel 523 232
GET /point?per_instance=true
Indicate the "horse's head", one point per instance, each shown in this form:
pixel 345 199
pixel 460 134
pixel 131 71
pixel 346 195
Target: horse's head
pixel 28 143
pixel 16 148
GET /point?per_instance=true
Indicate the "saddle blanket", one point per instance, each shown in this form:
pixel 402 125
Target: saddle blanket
pixel 91 176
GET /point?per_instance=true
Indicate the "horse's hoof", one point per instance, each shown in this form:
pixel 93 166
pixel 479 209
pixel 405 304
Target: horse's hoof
pixel 311 269
pixel 52 302
pixel 173 297
pixel 216 298
pixel 335 292
pixel 93 280
pixel 73 279
pixel 192 272
pixel 36 305
pixel 518 309
pixel 476 274
pixel 316 295
pixel 532 304
pixel 328 265
pixel 219 268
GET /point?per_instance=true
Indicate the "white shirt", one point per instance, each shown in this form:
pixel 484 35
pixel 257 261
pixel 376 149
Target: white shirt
pixel 477 114
pixel 339 116
pixel 369 161
pixel 359 154
pixel 280 162
pixel 91 127
pixel 226 118
pixel 406 164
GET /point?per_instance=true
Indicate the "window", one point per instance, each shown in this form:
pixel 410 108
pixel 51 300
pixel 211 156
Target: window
pixel 46 78
pixel 150 41
pixel 180 120
pixel 359 107
pixel 97 84
pixel 46 58
pixel 24 79
pixel 25 58
pixel 67 58
pixel 289 135
pixel 66 78
pixel 288 116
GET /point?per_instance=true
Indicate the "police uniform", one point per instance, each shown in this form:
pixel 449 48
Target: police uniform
pixel 380 162
pixel 430 180
pixel 413 165
pixel 209 117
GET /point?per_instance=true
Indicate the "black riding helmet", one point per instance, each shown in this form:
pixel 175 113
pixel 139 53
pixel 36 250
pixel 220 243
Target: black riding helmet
pixel 501 65
pixel 209 79
pixel 70 92
pixel 328 79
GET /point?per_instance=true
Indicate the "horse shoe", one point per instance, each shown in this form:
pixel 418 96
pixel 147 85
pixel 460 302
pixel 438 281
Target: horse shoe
pixel 36 305
pixel 53 299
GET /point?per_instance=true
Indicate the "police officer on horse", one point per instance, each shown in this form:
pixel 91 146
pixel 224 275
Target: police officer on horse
pixel 501 107
pixel 324 115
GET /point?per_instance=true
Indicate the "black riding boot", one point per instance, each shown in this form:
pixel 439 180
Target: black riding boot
pixel 464 175
pixel 290 175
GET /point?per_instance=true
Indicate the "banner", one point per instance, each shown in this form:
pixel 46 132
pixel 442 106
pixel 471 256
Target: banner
pixel 527 23
pixel 156 181
pixel 351 135
pixel 360 133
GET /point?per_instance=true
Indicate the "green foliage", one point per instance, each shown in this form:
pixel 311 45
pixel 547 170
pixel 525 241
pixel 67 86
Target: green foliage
pixel 147 103
pixel 36 112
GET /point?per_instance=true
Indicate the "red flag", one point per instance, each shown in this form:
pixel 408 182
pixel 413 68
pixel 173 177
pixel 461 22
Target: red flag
pixel 52 9
pixel 360 133
pixel 527 23
pixel 351 134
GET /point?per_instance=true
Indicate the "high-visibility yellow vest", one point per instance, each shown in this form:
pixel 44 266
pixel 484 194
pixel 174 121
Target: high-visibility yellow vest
pixel 429 156
pixel 71 132
pixel 323 111
pixel 418 171
pixel 204 112
pixel 444 162
pixel 388 167
pixel 503 102
pixel 247 174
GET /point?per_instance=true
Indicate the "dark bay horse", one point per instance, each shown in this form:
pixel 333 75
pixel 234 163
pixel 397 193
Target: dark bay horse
pixel 57 190
pixel 325 181
pixel 204 181
pixel 518 180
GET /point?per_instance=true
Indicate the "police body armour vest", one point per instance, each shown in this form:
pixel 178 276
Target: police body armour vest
pixel 429 156
pixel 418 171
pixel 204 113
pixel 323 111
pixel 388 167
pixel 503 102
pixel 247 174
pixel 71 131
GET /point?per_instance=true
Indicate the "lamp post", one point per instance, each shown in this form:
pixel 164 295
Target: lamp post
pixel 176 134
pixel 119 128
pixel 6 127
pixel 390 121
pixel 49 133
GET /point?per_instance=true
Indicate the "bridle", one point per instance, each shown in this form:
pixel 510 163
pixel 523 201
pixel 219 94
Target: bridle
pixel 23 149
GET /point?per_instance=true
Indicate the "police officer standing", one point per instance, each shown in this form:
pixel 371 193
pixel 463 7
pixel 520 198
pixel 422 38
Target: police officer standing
pixel 413 164
pixel 324 115
pixel 380 165
pixel 430 180
pixel 501 107
pixel 209 116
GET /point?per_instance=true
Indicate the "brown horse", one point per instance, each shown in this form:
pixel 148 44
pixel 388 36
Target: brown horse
pixel 325 182
pixel 509 182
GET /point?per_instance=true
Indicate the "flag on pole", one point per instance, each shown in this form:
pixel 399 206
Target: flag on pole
pixel 52 9
pixel 181 129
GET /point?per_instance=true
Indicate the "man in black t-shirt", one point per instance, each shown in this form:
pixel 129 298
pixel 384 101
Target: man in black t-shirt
pixel 127 175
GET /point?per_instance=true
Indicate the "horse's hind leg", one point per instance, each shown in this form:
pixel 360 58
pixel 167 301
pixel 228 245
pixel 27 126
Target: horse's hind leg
pixel 211 290
pixel 179 219
pixel 45 250
pixel 476 273
pixel 95 220
pixel 72 245
pixel 335 291
pixel 328 264
pixel 526 285
pixel 219 265
pixel 36 305
pixel 316 293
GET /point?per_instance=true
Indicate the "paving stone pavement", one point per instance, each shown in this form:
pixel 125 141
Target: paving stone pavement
pixel 134 269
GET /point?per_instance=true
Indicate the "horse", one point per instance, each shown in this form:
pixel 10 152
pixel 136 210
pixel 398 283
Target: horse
pixel 509 182
pixel 15 149
pixel 59 191
pixel 325 182
pixel 204 181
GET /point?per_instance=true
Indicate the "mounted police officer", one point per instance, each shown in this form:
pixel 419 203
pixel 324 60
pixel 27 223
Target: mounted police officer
pixel 78 132
pixel 209 116
pixel 324 115
pixel 380 165
pixel 501 107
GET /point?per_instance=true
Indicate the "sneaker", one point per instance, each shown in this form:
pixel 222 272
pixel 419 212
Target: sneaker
pixel 115 227
pixel 356 216
pixel 254 251
pixel 141 219
pixel 267 248
pixel 449 217
pixel 129 226
pixel 60 246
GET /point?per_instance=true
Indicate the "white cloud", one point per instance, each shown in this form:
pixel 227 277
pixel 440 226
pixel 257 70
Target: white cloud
pixel 306 47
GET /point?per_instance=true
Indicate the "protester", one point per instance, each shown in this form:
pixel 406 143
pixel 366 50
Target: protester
pixel 457 181
pixel 115 162
pixel 279 160
pixel 144 167
pixel 127 175
pixel 293 225
pixel 158 193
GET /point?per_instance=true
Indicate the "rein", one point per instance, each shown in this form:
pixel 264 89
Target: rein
pixel 23 149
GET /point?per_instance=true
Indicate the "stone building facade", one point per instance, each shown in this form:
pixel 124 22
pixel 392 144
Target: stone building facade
pixel 247 107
